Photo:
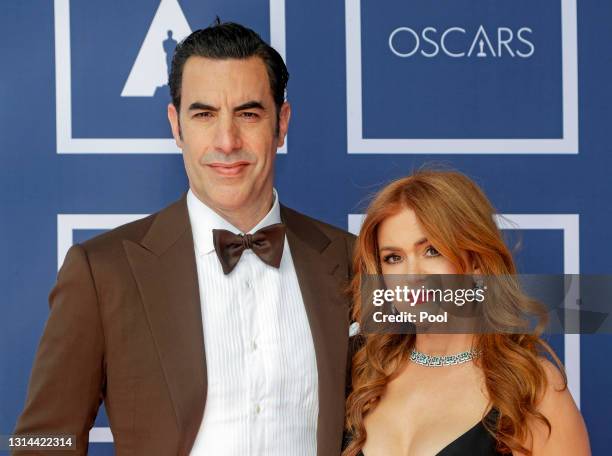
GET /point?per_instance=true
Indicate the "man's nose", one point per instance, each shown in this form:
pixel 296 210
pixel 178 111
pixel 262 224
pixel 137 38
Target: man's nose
pixel 227 135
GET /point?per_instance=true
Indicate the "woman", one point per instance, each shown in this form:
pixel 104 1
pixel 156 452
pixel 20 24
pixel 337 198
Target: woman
pixel 507 398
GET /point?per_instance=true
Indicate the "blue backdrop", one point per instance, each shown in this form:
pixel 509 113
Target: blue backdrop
pixel 514 94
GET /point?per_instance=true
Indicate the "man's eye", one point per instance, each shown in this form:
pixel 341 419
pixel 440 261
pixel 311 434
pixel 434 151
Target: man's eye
pixel 204 115
pixel 431 252
pixel 249 115
pixel 392 258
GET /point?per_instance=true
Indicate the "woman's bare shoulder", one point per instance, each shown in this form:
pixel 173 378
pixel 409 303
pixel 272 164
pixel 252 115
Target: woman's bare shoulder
pixel 568 434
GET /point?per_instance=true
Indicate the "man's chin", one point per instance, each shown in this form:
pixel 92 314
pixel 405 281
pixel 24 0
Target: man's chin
pixel 226 201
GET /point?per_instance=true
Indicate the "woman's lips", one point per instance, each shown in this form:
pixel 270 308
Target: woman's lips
pixel 419 301
pixel 228 169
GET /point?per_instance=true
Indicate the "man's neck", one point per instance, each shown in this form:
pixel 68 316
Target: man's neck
pixel 245 218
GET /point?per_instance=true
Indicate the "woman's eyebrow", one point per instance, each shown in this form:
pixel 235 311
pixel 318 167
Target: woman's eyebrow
pixel 420 242
pixel 392 247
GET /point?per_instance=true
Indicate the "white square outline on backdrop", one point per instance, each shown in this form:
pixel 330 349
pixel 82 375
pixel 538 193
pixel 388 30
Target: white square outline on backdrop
pixel 570 225
pixel 66 144
pixel 357 144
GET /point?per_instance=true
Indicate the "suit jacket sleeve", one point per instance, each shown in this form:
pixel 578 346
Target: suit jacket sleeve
pixel 67 380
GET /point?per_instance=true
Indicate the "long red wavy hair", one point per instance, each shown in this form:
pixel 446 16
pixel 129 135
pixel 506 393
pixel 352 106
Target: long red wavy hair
pixel 458 218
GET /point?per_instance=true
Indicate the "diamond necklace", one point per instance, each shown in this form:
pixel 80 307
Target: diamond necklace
pixel 441 361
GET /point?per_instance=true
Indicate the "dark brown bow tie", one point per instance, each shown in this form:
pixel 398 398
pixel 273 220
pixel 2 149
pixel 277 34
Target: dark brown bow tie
pixel 266 243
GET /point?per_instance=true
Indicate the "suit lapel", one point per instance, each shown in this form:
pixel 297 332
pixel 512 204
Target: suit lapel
pixel 164 267
pixel 321 269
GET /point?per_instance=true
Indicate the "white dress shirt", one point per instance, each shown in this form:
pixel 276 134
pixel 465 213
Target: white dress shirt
pixel 262 396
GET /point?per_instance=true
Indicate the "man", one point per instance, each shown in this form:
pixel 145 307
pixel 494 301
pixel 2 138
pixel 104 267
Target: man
pixel 217 325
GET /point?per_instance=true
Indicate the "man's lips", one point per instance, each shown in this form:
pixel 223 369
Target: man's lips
pixel 229 169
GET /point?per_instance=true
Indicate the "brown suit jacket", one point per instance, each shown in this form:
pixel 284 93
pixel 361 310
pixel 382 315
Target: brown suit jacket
pixel 125 328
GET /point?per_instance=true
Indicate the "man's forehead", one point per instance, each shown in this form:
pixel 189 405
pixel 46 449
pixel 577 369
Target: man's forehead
pixel 225 80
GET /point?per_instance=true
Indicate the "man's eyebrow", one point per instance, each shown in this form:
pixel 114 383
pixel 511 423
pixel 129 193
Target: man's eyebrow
pixel 201 106
pixel 253 104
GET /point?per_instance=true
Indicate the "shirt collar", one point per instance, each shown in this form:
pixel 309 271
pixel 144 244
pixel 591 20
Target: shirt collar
pixel 203 220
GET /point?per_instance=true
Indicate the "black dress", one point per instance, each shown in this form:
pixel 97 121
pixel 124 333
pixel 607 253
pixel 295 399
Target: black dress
pixel 474 442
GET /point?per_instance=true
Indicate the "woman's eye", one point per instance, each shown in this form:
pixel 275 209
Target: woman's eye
pixel 392 258
pixel 431 252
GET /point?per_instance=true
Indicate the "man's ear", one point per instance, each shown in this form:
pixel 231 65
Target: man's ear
pixel 283 122
pixel 173 118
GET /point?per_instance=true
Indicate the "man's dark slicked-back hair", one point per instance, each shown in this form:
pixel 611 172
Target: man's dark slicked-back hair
pixel 228 41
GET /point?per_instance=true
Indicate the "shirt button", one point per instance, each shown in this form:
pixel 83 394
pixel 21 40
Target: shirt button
pixel 257 409
pixel 248 284
pixel 253 346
